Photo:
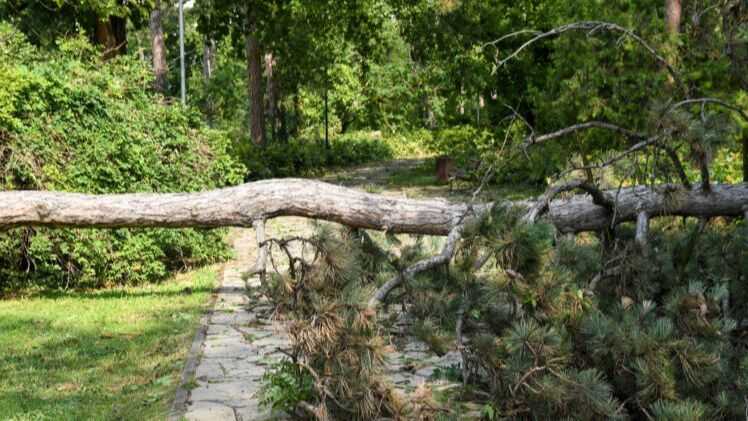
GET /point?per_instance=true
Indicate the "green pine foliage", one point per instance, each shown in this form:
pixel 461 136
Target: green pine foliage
pixel 67 123
pixel 661 335
pixel 658 336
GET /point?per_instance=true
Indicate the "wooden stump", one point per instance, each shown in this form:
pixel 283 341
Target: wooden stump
pixel 444 168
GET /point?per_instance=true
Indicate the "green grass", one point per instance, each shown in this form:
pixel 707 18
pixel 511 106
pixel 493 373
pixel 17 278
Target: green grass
pixel 420 181
pixel 423 175
pixel 102 355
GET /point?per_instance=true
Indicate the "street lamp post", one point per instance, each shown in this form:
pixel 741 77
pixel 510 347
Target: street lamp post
pixel 181 53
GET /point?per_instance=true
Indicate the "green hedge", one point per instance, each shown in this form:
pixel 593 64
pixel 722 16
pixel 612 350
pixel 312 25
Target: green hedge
pixel 69 122
pixel 309 157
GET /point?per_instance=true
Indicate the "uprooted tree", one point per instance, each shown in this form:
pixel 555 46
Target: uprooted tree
pixel 641 316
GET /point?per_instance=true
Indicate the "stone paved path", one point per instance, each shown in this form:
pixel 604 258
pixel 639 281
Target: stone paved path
pixel 241 340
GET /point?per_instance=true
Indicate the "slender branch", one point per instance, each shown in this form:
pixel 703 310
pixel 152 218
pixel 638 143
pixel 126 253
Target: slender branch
pixel 542 205
pixel 262 252
pixel 635 148
pixel 704 170
pixel 707 100
pixel 511 35
pixel 592 27
pixel 630 134
pixel 442 258
pixel 524 378
pixel 642 230
pixel 461 348
pixel 678 165
pixel 534 140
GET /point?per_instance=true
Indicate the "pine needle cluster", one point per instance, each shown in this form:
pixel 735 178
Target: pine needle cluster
pixel 336 339
pixel 657 336
pixel 574 327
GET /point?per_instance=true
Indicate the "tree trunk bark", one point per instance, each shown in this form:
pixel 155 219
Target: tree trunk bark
pixel 209 58
pixel 673 12
pixel 160 66
pixel 272 94
pixel 327 123
pixel 209 68
pixel 745 156
pixel 241 205
pixel 111 32
pixel 254 87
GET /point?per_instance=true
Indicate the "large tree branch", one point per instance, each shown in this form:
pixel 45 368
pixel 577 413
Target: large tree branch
pixel 233 206
pixel 241 205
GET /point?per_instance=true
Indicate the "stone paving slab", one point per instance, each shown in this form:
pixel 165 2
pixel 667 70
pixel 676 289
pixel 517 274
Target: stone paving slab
pixel 240 342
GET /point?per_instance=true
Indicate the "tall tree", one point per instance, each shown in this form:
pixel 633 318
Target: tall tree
pixel 673 12
pixel 254 82
pixel 272 93
pixel 160 66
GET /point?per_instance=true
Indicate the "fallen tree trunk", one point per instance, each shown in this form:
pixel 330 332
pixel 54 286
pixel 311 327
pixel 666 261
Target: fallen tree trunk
pixel 241 205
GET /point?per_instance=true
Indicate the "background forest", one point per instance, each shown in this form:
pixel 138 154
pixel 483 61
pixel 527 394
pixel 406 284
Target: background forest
pixel 520 94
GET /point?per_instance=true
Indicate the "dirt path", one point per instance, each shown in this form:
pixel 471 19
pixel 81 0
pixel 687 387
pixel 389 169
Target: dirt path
pixel 376 174
pixel 241 339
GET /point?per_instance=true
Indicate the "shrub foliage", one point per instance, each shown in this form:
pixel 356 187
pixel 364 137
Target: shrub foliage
pixel 69 124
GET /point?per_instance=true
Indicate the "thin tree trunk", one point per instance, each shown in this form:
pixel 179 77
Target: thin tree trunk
pixel 272 92
pixel 160 66
pixel 119 29
pixel 209 68
pixel 104 37
pixel 283 125
pixel 673 12
pixel 745 156
pixel 327 137
pixel 111 32
pixel 209 58
pixel 254 87
pixel 298 118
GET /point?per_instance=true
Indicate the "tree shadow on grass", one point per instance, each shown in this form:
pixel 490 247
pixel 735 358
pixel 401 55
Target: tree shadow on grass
pixel 116 293
pixel 57 369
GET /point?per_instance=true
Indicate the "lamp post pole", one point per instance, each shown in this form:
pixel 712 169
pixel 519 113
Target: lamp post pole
pixel 181 53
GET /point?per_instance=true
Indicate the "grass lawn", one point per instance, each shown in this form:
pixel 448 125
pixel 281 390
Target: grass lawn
pixel 102 355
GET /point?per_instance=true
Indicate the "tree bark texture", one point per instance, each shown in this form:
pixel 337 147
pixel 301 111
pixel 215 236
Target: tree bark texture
pixel 160 66
pixel 241 205
pixel 272 94
pixel 209 58
pixel 111 32
pixel 254 79
pixel 673 12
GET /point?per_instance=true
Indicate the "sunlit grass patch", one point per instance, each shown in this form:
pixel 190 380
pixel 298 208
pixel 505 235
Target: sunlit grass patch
pixel 107 354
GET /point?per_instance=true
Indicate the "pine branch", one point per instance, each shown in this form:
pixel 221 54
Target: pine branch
pixel 542 205
pixel 442 258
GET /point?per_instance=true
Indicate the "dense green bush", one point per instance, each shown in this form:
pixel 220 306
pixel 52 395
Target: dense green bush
pixel 68 123
pixel 475 149
pixel 303 157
